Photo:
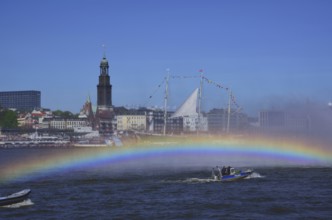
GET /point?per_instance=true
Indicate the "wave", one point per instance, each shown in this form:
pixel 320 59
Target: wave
pixel 255 175
pixel 199 180
pixel 27 202
pixel 191 180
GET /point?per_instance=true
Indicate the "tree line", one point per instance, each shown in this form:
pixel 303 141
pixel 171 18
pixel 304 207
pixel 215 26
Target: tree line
pixel 8 118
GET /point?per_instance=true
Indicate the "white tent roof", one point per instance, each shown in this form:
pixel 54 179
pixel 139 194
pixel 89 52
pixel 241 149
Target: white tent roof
pixel 188 108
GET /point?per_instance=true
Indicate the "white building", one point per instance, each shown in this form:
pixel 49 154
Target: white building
pixel 192 121
pixel 131 122
pixel 64 124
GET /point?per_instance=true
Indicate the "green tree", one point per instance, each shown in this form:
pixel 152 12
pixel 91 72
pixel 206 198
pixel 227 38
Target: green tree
pixel 64 114
pixel 8 119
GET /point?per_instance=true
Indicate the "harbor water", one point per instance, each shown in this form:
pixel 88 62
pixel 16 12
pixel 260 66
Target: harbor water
pixel 101 192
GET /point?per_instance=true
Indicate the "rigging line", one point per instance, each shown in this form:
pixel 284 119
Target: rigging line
pixel 154 92
pixel 163 81
pixel 184 77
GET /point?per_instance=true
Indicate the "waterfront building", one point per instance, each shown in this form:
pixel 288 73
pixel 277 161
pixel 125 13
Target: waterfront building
pixel 217 120
pixel 67 124
pixel 195 123
pixel 190 123
pixel 272 119
pixel 105 113
pixel 21 100
pixel 297 122
pixel 285 121
pixel 173 125
pixel 220 121
pixel 34 119
pixel 131 122
pixel 25 120
pixel 151 119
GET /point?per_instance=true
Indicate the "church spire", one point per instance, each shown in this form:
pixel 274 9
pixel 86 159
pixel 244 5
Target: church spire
pixel 104 63
pixel 104 50
pixel 88 100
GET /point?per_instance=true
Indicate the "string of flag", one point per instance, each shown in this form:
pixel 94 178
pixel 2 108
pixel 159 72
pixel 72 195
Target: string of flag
pixel 222 87
pixel 172 77
pixel 214 83
pixel 218 85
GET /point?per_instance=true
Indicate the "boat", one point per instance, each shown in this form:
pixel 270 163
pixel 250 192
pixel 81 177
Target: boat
pixel 15 197
pixel 227 174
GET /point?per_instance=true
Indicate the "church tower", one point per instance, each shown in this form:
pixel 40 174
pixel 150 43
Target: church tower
pixel 104 114
pixel 104 88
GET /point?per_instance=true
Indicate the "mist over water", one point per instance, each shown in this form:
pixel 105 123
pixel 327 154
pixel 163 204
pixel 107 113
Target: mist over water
pixel 317 113
pixel 139 159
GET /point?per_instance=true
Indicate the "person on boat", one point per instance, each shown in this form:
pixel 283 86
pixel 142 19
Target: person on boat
pixel 223 170
pixel 228 170
pixel 219 172
pixel 213 173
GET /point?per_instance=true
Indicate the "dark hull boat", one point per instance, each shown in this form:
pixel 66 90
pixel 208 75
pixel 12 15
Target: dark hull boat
pixel 229 174
pixel 15 197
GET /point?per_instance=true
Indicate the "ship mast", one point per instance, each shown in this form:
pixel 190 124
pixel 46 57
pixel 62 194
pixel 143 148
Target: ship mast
pixel 199 101
pixel 165 102
pixel 229 110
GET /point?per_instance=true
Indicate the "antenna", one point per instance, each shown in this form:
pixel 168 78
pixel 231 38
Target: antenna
pixel 104 50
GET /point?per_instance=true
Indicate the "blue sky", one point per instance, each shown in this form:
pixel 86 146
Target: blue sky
pixel 267 52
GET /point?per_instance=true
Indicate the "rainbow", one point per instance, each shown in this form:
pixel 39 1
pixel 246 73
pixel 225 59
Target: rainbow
pixel 199 151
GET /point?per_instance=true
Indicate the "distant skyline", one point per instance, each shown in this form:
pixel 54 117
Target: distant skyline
pixel 268 52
